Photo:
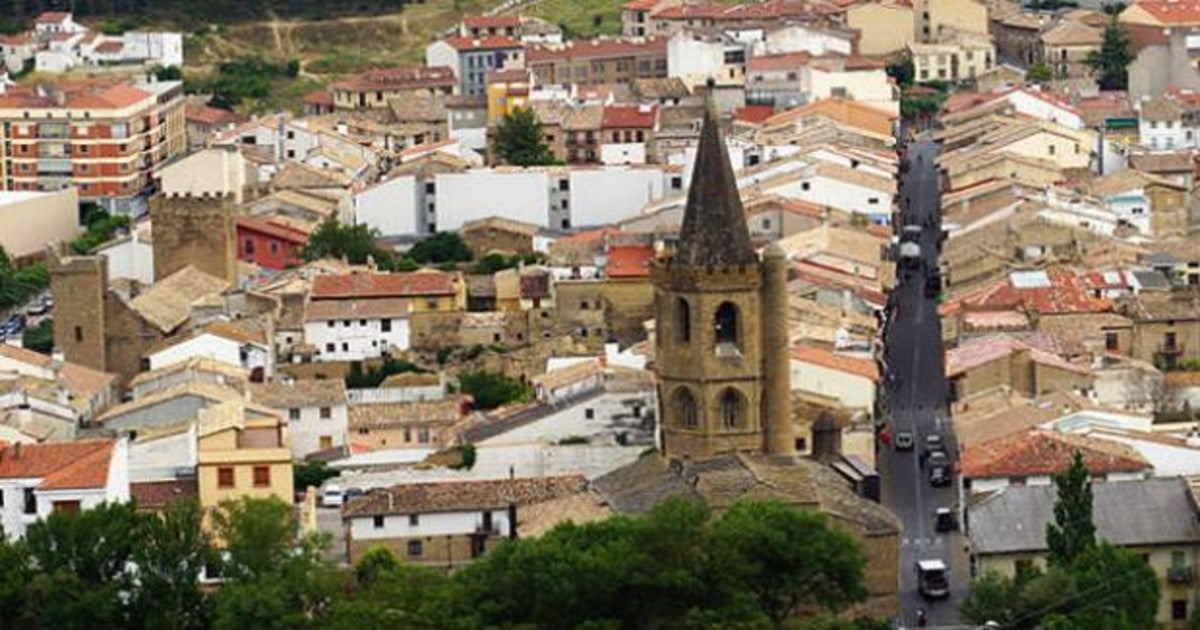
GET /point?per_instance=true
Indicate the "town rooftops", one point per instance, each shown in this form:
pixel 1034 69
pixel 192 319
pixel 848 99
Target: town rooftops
pixel 845 112
pixel 168 302
pixel 53 17
pixel 1048 292
pixel 1042 453
pixel 594 48
pixel 490 42
pixel 444 412
pixel 1163 162
pixel 384 285
pixel 792 61
pixel 93 94
pixel 300 393
pixel 1171 12
pixel 983 350
pixel 80 380
pixel 463 496
pixel 343 309
pixel 75 465
pixel 402 78
pixel 205 115
pixel 828 358
pixel 1071 33
pixel 1141 513
pixel 233 373
pixel 268 227
pixel 753 114
pixel 628 261
pixel 629 116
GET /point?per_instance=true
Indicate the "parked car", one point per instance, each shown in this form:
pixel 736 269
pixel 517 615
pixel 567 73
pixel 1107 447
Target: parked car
pixel 37 308
pixel 904 441
pixel 944 520
pixel 332 496
pixel 352 494
pixel 933 580
pixel 939 469
pixel 934 443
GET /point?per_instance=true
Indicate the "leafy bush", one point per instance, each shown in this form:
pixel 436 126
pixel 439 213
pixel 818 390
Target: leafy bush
pixel 494 389
pixel 101 227
pixel 442 247
pixel 359 378
pixel 312 474
pixel 40 338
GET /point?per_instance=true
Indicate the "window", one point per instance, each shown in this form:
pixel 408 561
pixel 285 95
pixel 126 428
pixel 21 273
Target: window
pixel 378 522
pixel 325 442
pixel 1112 342
pixel 414 548
pixel 326 413
pixel 66 507
pixel 332 323
pixel 805 186
pixel 274 247
pixel 407 435
pixel 1179 609
pixel 689 415
pixel 731 409
pixel 414 520
pixel 423 435
pixel 225 477
pixel 248 247
pixel 30 501
pixel 362 322
pixel 683 320
pixel 345 347
pixel 873 201
pixel 78 334
pixel 293 414
pixel 725 324
pixel 385 325
pixel 1050 149
pixel 330 348
pixel 262 476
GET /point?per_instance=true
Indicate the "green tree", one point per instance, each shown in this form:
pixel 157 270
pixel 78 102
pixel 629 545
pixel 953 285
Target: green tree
pixel 770 547
pixel 493 389
pixel 168 73
pixel 171 552
pixel 258 535
pixel 83 567
pixel 520 140
pixel 312 474
pixel 15 575
pixel 1116 588
pixel 356 243
pixel 1039 72
pixel 1073 530
pixel 39 338
pixel 1111 62
pixel 441 247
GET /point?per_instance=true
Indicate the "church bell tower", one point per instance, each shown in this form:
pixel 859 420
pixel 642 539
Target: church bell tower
pixel 721 343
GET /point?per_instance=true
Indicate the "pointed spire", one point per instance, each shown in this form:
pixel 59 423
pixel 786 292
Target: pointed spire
pixel 714 228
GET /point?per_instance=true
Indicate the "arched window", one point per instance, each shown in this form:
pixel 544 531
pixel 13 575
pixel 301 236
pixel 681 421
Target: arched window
pixel 725 326
pixel 683 321
pixel 731 409
pixel 689 413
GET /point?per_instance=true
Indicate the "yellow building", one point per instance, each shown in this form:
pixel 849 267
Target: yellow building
pixel 953 56
pixel 241 456
pixel 507 91
pixel 887 27
pixel 936 17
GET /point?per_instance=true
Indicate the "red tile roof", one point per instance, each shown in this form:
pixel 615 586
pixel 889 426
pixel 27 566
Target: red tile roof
pixel 596 48
pixel 491 42
pixel 491 21
pixel 981 351
pixel 629 261
pixel 206 115
pixel 52 17
pixel 754 114
pixel 629 117
pixel 827 358
pixel 320 97
pixel 110 47
pixel 1173 12
pixel 156 495
pixel 78 94
pixel 769 10
pixel 1066 293
pixel 1040 453
pixel 383 285
pixel 640 5
pixel 60 465
pixel 782 61
pixel 402 78
pixel 270 228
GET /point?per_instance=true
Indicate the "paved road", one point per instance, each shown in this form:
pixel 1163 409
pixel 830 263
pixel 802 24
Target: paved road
pixel 916 400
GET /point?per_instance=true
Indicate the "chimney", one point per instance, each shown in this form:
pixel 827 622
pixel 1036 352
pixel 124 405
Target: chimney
pixel 16 450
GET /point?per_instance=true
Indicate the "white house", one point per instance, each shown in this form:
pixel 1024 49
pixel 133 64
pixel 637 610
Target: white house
pixel 39 479
pixel 131 256
pixel 391 206
pixel 355 330
pixel 568 382
pixel 316 412
pixel 848 379
pixel 219 341
pixel 809 39
pixel 1033 457
pixel 164 453
pixel 860 80
pixel 846 189
pixel 695 60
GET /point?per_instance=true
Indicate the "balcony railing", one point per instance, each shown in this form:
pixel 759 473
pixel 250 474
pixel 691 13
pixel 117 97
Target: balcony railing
pixel 1180 574
pixel 1170 349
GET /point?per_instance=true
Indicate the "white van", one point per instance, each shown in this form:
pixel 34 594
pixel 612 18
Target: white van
pixel 332 496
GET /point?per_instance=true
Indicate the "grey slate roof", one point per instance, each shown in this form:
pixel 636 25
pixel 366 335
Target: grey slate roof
pixel 1127 513
pixel 714 231
pixel 1152 280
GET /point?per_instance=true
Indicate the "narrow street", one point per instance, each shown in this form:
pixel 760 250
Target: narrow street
pixel 916 395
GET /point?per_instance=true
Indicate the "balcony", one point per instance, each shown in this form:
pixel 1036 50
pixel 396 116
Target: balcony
pixel 1180 574
pixel 1169 349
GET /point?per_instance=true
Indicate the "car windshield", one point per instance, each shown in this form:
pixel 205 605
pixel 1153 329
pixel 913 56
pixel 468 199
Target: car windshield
pixel 937 459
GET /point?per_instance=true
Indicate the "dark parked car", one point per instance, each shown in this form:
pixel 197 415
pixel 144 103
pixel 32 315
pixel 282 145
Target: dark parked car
pixel 944 520
pixel 939 469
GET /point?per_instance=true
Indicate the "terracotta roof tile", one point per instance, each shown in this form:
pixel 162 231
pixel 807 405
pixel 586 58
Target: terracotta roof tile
pixel 206 115
pixel 156 495
pixel 493 42
pixel 77 94
pixel 301 393
pixel 602 48
pixel 754 114
pixel 52 17
pixel 445 412
pixel 458 496
pixel 380 285
pixel 824 357
pixel 320 97
pixel 629 261
pixel 270 228
pixel 1038 453
pixel 629 116
pixel 1172 12
pixel 776 62
pixel 401 78
pixel 1062 292
pixel 60 465
pixel 983 350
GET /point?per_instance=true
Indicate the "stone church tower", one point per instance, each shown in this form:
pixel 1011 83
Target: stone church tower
pixel 721 333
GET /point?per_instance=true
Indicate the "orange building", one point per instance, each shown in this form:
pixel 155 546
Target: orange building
pixel 105 136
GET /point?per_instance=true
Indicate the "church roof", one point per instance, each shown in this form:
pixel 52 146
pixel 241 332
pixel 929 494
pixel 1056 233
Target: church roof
pixel 714 231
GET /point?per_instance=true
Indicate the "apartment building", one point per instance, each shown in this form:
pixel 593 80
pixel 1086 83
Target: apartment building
pixel 472 59
pixel 599 61
pixel 106 137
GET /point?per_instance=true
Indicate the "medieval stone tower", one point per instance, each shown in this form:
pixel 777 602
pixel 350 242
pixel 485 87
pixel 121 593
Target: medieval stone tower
pixel 721 334
pixel 194 230
pixel 80 286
